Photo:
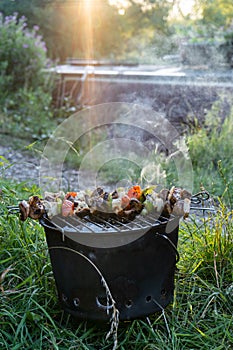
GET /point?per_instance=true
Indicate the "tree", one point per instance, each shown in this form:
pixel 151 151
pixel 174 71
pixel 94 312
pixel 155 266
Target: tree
pixel 216 12
pixel 91 28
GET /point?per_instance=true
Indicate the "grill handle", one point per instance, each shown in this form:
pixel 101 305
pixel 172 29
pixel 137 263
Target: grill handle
pixel 200 201
pixel 200 197
pixel 172 245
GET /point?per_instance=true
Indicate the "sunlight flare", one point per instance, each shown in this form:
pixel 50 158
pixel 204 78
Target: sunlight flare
pixel 87 12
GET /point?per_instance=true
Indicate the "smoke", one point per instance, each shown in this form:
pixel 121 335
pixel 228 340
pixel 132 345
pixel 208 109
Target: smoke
pixel 133 144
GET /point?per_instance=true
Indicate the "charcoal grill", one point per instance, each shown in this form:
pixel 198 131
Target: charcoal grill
pixel 137 261
pixel 105 268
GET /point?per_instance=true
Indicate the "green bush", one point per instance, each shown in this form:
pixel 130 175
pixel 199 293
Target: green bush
pixel 22 55
pixel 227 48
pixel 210 148
pixel 28 114
pixel 25 90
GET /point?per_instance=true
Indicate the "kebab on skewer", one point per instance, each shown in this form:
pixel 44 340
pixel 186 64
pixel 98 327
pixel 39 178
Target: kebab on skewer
pixel 121 204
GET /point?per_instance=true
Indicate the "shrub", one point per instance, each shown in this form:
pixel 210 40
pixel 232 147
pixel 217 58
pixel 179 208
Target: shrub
pixel 25 90
pixel 211 147
pixel 22 55
pixel 227 48
pixel 28 114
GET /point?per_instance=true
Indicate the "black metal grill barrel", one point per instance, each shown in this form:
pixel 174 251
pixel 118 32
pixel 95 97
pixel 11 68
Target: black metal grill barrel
pixel 137 260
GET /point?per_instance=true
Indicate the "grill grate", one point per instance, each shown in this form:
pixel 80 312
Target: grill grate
pixel 98 232
pixel 100 225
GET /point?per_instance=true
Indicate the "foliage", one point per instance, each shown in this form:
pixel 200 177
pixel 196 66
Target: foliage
pixel 197 32
pixel 31 318
pixel 207 243
pixel 25 90
pixel 210 146
pixel 88 29
pixel 28 114
pixel 227 46
pixel 22 55
pixel 219 12
pixel 28 8
pixel 209 31
pixel 152 47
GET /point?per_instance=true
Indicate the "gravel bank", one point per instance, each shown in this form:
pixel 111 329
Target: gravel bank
pixel 24 167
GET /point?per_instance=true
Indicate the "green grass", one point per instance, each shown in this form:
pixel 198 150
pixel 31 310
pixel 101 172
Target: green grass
pixel 199 318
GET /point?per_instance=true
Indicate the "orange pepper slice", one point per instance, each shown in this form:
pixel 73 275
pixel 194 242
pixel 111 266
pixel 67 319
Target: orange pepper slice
pixel 135 192
pixel 71 194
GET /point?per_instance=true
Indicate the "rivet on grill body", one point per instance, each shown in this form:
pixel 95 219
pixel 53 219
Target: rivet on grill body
pixel 129 303
pixel 102 303
pixel 63 235
pixel 92 256
pixel 148 298
pixel 76 302
pixel 163 292
pixel 64 298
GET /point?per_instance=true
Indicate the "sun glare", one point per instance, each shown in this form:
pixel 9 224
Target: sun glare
pixel 183 8
pixel 121 5
pixel 87 9
pixel 121 12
